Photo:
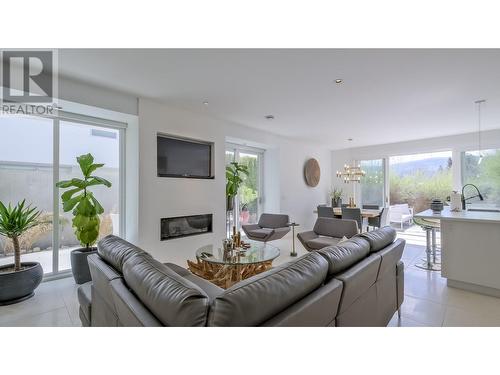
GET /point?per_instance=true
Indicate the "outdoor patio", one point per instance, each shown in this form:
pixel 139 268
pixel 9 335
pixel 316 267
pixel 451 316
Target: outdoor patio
pixel 44 257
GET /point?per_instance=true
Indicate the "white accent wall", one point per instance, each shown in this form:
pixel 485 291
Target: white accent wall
pixel 284 188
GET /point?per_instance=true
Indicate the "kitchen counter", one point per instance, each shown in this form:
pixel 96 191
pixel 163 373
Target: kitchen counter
pixel 470 249
pixel 475 216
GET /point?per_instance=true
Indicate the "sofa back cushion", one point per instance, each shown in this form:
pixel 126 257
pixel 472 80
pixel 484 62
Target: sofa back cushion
pixel 380 238
pixel 259 298
pixel 172 299
pixel 326 226
pixel 345 254
pixel 273 221
pixel 116 251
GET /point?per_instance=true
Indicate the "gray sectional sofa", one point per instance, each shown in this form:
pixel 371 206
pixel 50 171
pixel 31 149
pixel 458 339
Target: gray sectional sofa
pixel 357 283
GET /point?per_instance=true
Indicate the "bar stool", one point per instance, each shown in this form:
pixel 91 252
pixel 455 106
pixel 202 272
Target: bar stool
pixel 431 263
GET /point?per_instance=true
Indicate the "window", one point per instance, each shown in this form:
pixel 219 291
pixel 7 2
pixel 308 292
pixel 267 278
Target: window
pixel 26 172
pixel 417 179
pixel 373 184
pixel 484 172
pixel 37 152
pixel 249 199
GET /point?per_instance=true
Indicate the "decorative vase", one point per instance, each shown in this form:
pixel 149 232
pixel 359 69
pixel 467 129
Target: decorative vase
pixel 437 206
pixel 337 202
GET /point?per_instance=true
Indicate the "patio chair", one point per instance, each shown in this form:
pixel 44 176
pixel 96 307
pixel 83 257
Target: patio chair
pixel 401 214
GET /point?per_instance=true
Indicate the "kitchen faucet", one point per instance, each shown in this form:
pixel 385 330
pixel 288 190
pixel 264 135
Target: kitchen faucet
pixel 474 196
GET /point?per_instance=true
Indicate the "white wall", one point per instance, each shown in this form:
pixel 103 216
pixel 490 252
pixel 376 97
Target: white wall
pixel 455 143
pixel 165 197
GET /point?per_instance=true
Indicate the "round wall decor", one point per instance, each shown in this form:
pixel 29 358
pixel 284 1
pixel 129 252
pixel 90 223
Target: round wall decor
pixel 312 172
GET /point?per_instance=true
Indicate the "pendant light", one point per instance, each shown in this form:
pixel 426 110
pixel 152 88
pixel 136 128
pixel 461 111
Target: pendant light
pixel 351 173
pixel 479 103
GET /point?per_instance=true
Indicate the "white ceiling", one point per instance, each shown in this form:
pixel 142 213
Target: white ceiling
pixel 387 95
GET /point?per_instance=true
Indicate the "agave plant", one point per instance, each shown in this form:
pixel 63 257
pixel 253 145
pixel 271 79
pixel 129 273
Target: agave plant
pixel 14 221
pixel 86 208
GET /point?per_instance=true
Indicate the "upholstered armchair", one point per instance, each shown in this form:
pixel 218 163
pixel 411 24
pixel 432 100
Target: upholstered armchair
pixel 327 232
pixel 269 228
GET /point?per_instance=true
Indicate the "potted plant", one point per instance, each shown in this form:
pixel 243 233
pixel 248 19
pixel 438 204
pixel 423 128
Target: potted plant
pixel 86 210
pixel 336 196
pixel 234 179
pixel 19 280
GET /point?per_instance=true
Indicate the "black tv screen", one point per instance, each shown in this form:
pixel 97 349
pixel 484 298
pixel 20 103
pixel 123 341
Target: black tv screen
pixel 183 158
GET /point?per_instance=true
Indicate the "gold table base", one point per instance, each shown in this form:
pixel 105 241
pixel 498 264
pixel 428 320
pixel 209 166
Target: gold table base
pixel 226 275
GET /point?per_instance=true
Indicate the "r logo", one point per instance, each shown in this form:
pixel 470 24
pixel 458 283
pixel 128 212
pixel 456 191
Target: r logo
pixel 28 76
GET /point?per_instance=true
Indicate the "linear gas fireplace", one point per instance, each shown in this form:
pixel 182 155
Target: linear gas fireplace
pixel 183 226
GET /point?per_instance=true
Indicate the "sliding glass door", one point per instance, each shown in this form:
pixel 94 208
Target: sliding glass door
pixel 249 199
pixel 36 153
pixel 26 172
pixel 417 179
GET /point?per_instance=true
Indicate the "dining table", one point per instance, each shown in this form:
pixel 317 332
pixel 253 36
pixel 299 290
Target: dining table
pixel 365 212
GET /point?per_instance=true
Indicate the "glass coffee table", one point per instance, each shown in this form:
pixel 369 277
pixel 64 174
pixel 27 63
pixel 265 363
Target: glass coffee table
pixel 225 270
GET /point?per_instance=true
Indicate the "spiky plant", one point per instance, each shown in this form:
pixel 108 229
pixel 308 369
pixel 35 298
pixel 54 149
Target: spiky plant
pixel 86 208
pixel 14 221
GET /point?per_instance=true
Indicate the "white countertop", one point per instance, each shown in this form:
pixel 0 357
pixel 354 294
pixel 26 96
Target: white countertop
pixel 475 216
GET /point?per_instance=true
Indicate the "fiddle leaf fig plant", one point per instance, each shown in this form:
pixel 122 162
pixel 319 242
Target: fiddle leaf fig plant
pixel 78 198
pixel 234 173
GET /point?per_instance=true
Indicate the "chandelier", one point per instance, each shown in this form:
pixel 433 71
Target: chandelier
pixel 351 173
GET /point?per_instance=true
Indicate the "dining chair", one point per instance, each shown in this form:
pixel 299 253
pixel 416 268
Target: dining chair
pixel 379 221
pixel 349 213
pixel 325 211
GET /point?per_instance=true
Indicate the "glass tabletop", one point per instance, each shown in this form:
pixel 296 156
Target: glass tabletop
pixel 258 252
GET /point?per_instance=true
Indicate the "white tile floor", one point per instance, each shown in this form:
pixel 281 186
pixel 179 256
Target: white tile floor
pixel 428 301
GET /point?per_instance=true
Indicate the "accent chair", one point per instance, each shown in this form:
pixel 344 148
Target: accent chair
pixel 269 228
pixel 327 232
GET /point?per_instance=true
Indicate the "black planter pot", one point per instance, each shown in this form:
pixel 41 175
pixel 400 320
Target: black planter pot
pixel 337 203
pixel 80 266
pixel 19 286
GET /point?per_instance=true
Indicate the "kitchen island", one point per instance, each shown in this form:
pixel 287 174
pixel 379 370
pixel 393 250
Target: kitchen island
pixel 470 249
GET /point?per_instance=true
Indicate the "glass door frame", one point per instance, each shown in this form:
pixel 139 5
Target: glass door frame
pixel 236 149
pixel 90 121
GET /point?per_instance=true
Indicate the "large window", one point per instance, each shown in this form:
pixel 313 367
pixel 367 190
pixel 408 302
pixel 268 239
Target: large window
pixel 373 184
pixel 26 172
pixel 483 170
pixel 249 199
pixel 36 153
pixel 417 179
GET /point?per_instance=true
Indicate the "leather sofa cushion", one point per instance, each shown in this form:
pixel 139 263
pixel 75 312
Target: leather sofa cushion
pixel 345 254
pixel 210 289
pixel 257 299
pixel 326 226
pixel 380 238
pixel 173 300
pixel 273 221
pixel 85 299
pixel 321 242
pixel 260 233
pixel 116 251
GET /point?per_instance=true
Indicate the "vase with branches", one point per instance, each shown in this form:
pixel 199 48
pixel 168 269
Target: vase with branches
pixel 234 178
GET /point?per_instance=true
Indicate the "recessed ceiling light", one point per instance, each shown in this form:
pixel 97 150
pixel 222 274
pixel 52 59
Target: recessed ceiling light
pixel 338 81
pixel 349 139
pixel 269 117
pixel 205 103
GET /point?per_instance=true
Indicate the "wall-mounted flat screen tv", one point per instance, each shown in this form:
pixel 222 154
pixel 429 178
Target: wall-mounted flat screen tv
pixel 180 157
